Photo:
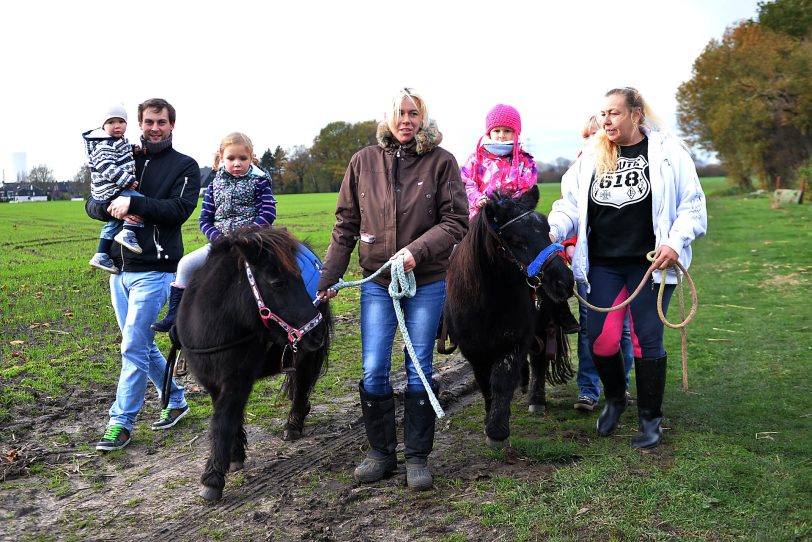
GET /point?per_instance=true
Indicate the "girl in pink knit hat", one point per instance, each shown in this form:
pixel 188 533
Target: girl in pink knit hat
pixel 499 163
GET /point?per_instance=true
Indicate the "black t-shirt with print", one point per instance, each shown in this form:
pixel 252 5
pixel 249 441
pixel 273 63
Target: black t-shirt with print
pixel 619 223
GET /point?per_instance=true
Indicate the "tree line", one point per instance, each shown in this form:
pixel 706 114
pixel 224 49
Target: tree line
pixel 750 97
pixel 318 168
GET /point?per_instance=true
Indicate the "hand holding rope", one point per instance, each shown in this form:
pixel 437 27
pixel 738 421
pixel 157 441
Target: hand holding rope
pixel 680 271
pixel 403 285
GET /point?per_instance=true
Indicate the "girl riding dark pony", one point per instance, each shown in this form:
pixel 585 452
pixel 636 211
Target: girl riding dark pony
pixel 503 282
pixel 247 315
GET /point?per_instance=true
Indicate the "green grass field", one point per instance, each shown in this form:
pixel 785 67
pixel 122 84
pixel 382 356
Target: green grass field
pixel 737 458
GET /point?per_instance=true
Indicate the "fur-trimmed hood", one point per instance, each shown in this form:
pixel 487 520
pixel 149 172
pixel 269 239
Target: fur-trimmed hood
pixel 427 139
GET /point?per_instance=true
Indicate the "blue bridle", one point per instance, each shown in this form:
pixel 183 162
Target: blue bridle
pixel 536 265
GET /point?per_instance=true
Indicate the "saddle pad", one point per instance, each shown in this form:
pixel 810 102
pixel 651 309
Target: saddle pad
pixel 310 264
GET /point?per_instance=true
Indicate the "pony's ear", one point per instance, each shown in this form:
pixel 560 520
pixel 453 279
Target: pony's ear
pixel 489 210
pixel 531 197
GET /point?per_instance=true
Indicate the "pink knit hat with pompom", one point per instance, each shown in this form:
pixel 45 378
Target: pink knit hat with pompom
pixel 503 115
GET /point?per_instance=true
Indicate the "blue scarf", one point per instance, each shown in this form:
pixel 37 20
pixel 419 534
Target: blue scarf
pixel 499 149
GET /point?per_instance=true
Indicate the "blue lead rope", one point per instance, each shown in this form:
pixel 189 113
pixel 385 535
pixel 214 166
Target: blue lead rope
pixel 403 285
pixel 535 266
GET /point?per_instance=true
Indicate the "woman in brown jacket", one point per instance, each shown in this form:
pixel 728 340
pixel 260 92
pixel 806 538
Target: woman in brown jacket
pixel 400 198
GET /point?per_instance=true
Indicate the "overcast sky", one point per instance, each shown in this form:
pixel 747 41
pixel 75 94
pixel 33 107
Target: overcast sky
pixel 281 71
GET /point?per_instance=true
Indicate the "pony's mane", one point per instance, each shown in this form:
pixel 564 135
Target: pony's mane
pixel 252 242
pixel 480 249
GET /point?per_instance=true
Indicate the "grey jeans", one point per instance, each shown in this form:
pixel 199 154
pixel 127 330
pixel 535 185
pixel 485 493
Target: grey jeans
pixel 189 264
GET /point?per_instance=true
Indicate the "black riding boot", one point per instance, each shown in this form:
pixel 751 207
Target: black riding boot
pixel 418 436
pixel 650 376
pixel 379 421
pixel 175 295
pixel 612 370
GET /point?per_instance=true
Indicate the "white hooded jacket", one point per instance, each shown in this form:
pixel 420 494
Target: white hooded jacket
pixel 679 214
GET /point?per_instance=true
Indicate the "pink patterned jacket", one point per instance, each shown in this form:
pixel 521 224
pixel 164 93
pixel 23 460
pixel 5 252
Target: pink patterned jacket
pixel 496 173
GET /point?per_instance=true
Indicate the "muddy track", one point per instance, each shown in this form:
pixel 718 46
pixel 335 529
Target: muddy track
pixel 317 449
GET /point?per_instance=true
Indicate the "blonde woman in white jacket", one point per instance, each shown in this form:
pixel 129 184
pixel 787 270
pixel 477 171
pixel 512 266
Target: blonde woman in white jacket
pixel 634 191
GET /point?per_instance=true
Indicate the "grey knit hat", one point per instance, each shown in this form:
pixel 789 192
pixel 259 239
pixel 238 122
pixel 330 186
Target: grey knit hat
pixel 116 111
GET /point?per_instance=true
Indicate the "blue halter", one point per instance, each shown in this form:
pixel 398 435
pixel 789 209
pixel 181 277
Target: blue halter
pixel 535 266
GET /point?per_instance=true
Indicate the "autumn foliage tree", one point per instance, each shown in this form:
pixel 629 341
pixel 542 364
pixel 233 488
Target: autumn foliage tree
pixel 298 175
pixel 333 148
pixel 750 98
pixel 321 167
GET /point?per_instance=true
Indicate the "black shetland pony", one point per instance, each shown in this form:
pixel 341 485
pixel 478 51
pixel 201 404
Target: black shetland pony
pixel 500 286
pixel 246 315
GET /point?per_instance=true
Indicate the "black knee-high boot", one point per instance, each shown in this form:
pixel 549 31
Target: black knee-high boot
pixel 612 370
pixel 175 295
pixel 379 421
pixel 650 376
pixel 418 435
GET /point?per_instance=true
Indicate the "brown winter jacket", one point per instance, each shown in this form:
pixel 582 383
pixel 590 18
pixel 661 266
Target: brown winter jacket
pixel 395 196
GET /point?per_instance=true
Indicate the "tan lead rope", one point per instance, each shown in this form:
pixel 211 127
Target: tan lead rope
pixel 685 319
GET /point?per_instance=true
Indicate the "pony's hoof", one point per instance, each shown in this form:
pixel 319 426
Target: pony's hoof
pixel 495 444
pixel 234 466
pixel 211 493
pixel 292 434
pixel 537 409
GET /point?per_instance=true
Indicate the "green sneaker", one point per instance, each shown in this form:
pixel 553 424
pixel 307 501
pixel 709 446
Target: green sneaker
pixel 169 417
pixel 115 438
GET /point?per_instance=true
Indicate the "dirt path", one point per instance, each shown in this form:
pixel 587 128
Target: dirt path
pixel 287 491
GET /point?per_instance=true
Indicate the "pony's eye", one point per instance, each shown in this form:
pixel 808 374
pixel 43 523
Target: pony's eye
pixel 276 282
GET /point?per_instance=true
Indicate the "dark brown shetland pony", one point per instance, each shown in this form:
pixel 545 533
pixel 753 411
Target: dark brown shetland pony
pixel 229 343
pixel 497 314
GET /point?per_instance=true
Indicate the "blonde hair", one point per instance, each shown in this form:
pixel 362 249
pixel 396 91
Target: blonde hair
pixel 591 127
pixel 234 138
pixel 393 115
pixel 607 152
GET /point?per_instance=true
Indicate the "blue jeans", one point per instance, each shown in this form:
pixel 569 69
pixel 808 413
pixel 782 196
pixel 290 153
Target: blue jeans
pixel 137 299
pixel 378 324
pixel 110 229
pixel 589 383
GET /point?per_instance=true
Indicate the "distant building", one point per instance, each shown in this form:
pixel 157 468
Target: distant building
pixel 24 195
pixel 8 191
pixel 24 192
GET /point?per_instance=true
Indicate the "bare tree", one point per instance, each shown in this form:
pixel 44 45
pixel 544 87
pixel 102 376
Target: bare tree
pixel 82 180
pixel 41 177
